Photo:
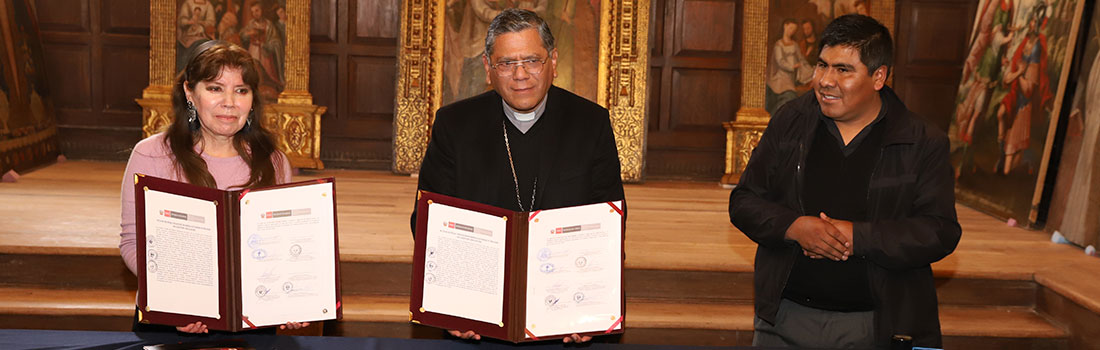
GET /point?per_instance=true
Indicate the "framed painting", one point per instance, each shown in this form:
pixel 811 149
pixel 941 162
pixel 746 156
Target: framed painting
pixel 28 128
pixel 259 26
pixel 1075 202
pixel 573 23
pixel 602 56
pixel 275 33
pixel 794 27
pixel 1006 110
pixel 780 49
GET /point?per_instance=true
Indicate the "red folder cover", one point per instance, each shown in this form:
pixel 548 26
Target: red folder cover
pixel 513 327
pixel 227 251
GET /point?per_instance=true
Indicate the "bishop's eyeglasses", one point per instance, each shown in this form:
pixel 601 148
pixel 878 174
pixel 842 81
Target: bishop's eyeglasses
pixel 532 66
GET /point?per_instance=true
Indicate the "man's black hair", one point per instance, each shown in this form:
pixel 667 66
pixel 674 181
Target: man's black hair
pixel 865 34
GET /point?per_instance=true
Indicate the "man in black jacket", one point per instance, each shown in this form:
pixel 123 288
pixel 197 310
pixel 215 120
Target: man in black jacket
pixel 526 145
pixel 850 198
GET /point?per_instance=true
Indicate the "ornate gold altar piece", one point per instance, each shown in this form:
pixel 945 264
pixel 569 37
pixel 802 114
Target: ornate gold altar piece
pixel 623 65
pixel 744 132
pixel 294 119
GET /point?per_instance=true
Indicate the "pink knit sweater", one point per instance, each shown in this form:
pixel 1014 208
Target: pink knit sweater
pixel 152 157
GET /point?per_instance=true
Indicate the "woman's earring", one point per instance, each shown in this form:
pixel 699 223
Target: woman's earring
pixel 248 122
pixel 192 120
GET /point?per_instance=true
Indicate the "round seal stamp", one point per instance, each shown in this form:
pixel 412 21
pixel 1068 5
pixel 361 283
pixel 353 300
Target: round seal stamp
pixel 261 291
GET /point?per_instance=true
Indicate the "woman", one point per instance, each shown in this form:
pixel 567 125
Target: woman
pixel 216 140
pixel 788 71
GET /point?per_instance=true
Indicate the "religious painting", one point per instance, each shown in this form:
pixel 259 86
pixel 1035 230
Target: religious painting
pixel 28 130
pixel 259 26
pixel 574 26
pixel 1075 203
pixel 1010 92
pixel 602 56
pixel 794 27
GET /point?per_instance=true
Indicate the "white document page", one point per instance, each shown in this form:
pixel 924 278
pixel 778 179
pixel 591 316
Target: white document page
pixel 574 268
pixel 464 264
pixel 181 262
pixel 288 261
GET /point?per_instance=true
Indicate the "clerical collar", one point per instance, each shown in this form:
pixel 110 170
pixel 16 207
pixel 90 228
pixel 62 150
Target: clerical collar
pixel 524 121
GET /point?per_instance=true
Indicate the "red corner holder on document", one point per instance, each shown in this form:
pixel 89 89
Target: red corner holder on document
pixel 236 260
pixel 518 276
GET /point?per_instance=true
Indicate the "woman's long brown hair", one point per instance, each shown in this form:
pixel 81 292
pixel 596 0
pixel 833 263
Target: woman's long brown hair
pixel 253 142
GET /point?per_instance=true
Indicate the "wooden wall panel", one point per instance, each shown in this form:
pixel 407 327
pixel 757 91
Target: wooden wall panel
pixel 63 16
pixel 126 17
pixel 653 106
pixel 353 65
pixel 694 106
pixel 97 62
pixel 930 46
pixel 370 75
pixel 69 69
pixel 930 25
pixel 377 19
pixel 322 69
pixel 721 17
pixel 912 90
pixel 323 21
pixel 695 83
pixel 119 90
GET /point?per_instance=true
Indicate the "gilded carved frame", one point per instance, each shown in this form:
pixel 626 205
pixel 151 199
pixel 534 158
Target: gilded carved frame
pixel 294 119
pixel 745 131
pixel 623 65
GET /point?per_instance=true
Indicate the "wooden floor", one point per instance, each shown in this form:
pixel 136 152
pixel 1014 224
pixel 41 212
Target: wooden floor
pixel 72 208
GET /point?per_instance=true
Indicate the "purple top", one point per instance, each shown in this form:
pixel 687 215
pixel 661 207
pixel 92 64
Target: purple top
pixel 152 157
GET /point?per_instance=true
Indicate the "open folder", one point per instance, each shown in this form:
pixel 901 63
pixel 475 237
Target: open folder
pixel 236 260
pixel 518 276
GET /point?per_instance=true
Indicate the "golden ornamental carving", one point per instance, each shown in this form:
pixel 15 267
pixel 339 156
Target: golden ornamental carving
pixel 623 60
pixel 741 139
pixel 162 43
pixel 754 54
pixel 156 115
pixel 299 129
pixel 297 49
pixel 419 83
pixel 294 119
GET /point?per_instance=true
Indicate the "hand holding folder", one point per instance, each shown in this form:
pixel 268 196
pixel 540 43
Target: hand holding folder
pixel 236 260
pixel 480 270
